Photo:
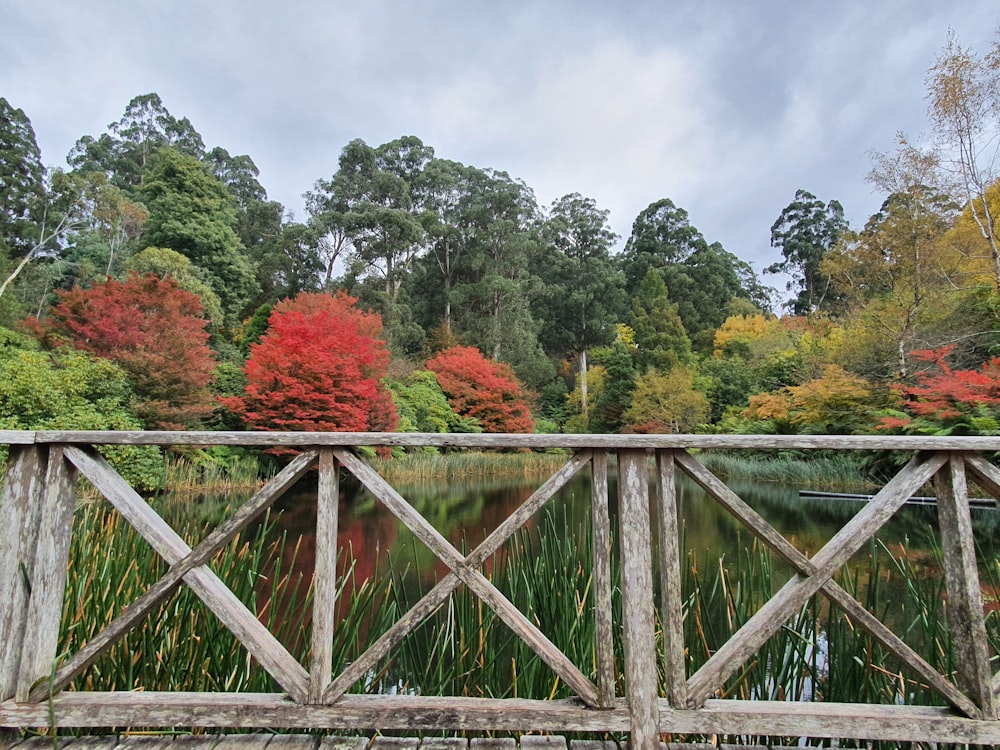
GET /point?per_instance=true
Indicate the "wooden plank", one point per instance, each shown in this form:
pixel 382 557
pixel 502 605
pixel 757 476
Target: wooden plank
pixel 209 588
pixel 922 724
pixel 20 516
pixel 324 576
pixel 604 648
pixel 542 742
pixel 241 741
pixel 637 599
pixel 293 742
pixel 672 614
pixel 596 745
pixel 48 580
pixel 395 743
pixel 335 742
pixel 351 712
pixel 492 743
pixel 505 441
pixel 790 598
pixel 476 581
pixel 444 743
pixel 985 474
pixel 964 604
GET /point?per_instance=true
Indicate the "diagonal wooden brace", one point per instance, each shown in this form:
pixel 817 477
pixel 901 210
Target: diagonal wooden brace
pixel 464 570
pixel 189 566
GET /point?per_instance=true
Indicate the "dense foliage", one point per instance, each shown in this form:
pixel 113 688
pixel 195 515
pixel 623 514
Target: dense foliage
pixel 318 367
pixel 528 316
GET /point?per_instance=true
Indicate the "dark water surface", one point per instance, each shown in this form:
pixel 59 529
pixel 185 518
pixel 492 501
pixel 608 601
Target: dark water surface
pixel 465 511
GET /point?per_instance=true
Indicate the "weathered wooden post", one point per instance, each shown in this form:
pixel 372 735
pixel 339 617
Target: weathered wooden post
pixel 637 600
pixel 324 575
pixel 965 599
pixel 604 630
pixel 20 516
pixel 672 614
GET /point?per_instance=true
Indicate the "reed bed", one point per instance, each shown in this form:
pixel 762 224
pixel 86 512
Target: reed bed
pixel 463 649
pixel 840 471
pixel 421 466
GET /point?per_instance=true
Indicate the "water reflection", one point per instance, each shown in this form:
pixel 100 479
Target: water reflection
pixel 465 511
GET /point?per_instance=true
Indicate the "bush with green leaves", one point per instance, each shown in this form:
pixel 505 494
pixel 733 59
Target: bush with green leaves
pixel 66 389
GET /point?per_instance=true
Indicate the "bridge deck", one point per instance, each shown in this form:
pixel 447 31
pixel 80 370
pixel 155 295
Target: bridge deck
pixel 313 742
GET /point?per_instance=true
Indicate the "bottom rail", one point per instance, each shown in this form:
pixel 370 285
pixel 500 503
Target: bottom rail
pixel 416 713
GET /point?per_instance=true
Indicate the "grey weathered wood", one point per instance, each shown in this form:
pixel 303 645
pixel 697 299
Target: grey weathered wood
pixel 334 742
pixel 965 600
pixel 395 743
pixel 465 570
pixel 543 742
pixel 922 724
pixel 984 473
pixel 293 742
pixel 48 579
pixel 444 743
pixel 138 511
pixel 20 514
pixel 240 621
pixel 637 599
pixel 492 743
pixel 603 616
pixel 324 576
pixel 351 712
pixel 576 744
pixel 672 614
pixel 790 598
pixel 503 441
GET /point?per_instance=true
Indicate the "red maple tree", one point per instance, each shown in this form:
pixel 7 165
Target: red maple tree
pixel 318 368
pixel 154 330
pixel 482 389
pixel 947 400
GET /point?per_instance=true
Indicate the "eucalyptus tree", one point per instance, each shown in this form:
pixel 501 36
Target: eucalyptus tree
pixel 21 181
pixel 806 230
pixel 493 295
pixel 126 153
pixel 583 294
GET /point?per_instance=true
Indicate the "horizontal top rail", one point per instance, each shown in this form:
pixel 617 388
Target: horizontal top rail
pixel 504 440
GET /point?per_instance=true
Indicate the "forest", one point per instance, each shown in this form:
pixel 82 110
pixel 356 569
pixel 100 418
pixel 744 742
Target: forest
pixel 151 283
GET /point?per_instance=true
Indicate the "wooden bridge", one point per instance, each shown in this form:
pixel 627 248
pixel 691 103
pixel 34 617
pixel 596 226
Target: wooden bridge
pixel 36 525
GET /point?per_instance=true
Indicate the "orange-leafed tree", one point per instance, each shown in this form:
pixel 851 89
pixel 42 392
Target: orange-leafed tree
pixel 154 330
pixel 318 367
pixel 482 389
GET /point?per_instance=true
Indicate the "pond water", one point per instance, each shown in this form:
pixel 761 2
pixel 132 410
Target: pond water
pixel 464 511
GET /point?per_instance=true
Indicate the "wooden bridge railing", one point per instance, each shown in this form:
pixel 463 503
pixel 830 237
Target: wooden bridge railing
pixel 36 523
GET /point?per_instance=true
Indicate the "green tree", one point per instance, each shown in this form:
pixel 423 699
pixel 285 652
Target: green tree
pixel 128 152
pixel 615 397
pixel 666 402
pixel 805 231
pixel 660 339
pixel 163 262
pixel 22 186
pixel 583 294
pixel 701 278
pixel 423 407
pixel 194 214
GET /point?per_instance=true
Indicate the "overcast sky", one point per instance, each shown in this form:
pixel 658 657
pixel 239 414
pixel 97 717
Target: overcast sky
pixel 724 107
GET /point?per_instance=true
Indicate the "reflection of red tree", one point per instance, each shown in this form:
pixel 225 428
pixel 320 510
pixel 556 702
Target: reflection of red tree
pixel 364 541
